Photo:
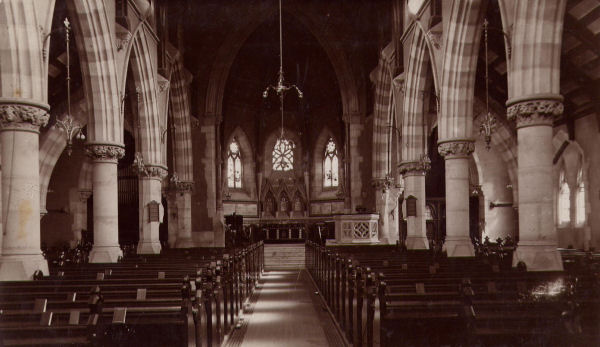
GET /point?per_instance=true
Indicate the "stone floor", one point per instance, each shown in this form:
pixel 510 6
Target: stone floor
pixel 285 311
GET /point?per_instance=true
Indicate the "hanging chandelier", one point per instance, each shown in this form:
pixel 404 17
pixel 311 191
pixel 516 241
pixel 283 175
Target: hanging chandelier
pixel 68 124
pixel 488 124
pixel 281 87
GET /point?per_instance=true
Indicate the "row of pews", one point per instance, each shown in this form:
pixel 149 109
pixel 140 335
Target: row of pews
pixel 386 296
pixel 183 297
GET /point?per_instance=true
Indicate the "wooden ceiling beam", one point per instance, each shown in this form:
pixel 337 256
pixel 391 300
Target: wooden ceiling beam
pixel 582 34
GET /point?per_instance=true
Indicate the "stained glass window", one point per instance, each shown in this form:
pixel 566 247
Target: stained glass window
pixel 330 165
pixel 580 200
pixel 234 166
pixel 564 200
pixel 283 155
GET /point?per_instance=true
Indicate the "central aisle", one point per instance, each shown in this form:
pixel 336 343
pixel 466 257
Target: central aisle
pixel 288 313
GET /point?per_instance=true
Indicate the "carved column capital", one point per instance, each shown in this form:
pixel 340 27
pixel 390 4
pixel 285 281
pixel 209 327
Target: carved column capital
pixel 382 183
pixel 541 110
pixel 122 39
pixel 105 152
pixel 23 116
pixel 183 186
pixel 84 195
pixel 456 148
pixel 163 85
pixel 153 171
pixel 410 168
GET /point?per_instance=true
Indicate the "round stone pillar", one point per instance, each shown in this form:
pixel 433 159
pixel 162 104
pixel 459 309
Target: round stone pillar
pixel 456 155
pixel 414 185
pixel 150 186
pixel 19 140
pixel 534 116
pixel 106 247
pixel 184 214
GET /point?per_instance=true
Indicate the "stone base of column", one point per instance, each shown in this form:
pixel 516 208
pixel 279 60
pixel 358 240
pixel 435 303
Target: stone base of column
pixel 459 247
pixel 21 267
pixel 417 242
pixel 538 256
pixel 184 243
pixel 105 254
pixel 149 247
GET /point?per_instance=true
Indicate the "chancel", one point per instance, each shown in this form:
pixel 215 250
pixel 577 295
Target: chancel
pixel 299 173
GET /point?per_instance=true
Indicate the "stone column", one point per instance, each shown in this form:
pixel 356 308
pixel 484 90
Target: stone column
pixel 173 227
pixel 456 154
pixel 537 234
pixel 20 122
pixel 347 175
pixel 184 215
pixel 386 200
pixel 414 184
pixel 355 179
pixel 106 202
pixel 150 193
pixel 80 218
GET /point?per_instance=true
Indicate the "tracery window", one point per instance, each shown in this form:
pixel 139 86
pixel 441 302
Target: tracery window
pixel 330 165
pixel 234 165
pixel 283 155
pixel 564 200
pixel 580 200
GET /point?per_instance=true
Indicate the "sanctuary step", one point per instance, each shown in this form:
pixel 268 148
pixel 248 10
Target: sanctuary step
pixel 284 256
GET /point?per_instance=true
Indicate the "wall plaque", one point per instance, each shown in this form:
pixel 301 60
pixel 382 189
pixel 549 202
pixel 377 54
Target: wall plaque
pixel 411 206
pixel 153 215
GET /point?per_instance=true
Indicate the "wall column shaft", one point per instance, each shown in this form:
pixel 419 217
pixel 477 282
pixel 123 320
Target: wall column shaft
pixel 150 190
pixel 184 215
pixel 416 237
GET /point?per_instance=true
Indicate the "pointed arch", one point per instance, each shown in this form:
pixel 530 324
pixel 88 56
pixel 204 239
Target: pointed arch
pixel 311 19
pixel 24 72
pixel 144 71
pixel 96 48
pixel 53 143
pixel 382 125
pixel 180 113
pixel 462 34
pixel 418 69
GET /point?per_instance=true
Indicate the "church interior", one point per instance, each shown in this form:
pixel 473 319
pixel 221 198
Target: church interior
pixel 299 173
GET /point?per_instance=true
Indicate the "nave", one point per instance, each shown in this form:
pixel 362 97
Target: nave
pixel 346 295
pixel 287 312
pixel 439 171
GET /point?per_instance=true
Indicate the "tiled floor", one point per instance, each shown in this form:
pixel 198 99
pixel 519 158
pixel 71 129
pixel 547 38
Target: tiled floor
pixel 288 313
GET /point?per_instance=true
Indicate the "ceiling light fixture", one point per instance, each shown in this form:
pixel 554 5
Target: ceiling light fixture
pixel 281 87
pixel 71 127
pixel 488 124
